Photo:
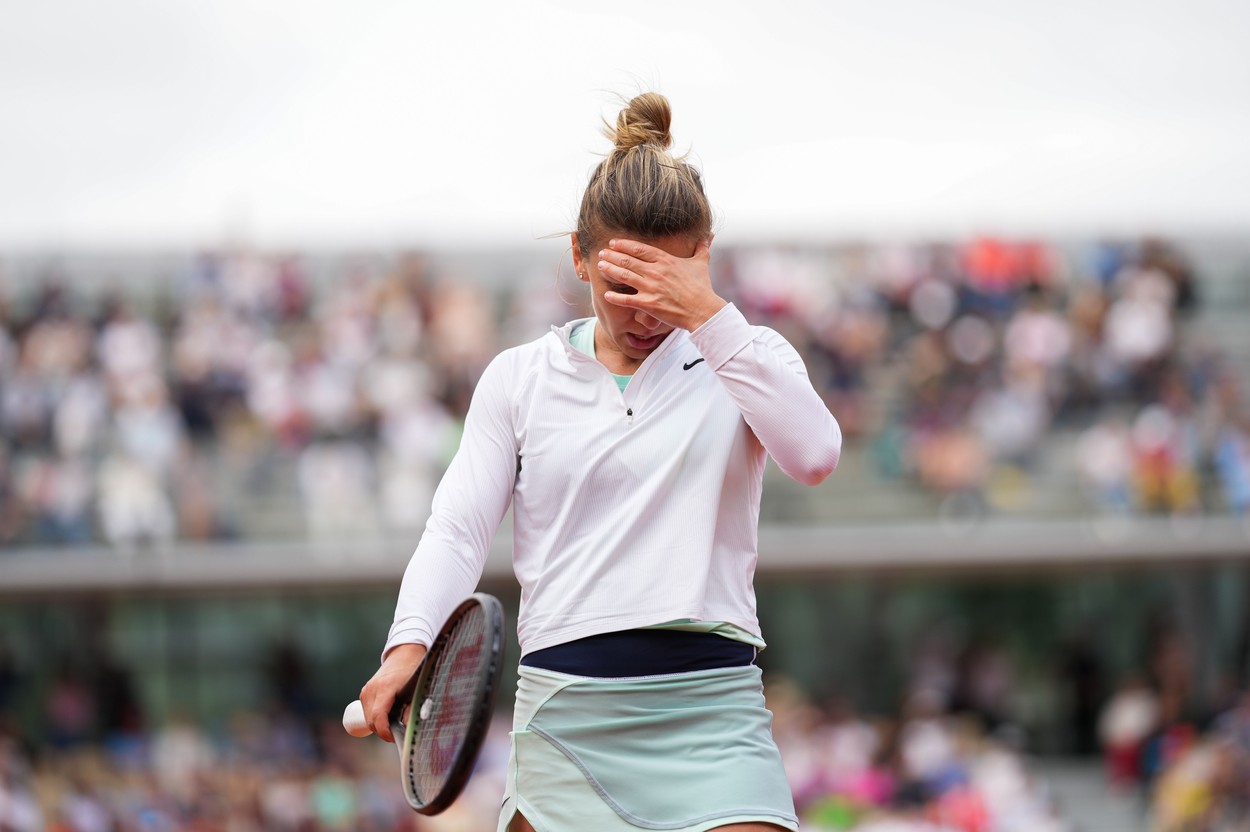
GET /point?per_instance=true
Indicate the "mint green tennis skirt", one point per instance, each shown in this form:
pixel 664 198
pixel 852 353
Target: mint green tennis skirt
pixel 684 751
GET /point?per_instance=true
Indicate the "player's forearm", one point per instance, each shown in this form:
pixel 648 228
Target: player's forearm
pixel 766 378
pixel 468 506
pixel 442 572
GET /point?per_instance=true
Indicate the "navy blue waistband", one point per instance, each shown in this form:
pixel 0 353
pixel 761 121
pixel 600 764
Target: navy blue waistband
pixel 642 653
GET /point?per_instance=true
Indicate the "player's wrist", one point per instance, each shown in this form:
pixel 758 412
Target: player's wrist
pixel 705 312
pixel 405 654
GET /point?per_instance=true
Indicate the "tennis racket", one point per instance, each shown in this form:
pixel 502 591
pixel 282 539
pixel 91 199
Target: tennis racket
pixel 448 702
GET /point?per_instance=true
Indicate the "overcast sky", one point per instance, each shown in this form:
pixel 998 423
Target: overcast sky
pixel 159 122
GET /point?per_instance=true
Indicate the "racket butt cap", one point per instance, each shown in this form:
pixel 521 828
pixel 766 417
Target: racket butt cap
pixel 354 720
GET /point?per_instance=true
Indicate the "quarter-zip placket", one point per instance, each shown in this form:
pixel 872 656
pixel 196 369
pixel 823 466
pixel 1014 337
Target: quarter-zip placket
pixel 643 371
pixel 643 368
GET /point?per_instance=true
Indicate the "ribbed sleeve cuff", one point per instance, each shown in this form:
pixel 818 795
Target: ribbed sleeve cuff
pixel 722 336
pixel 407 633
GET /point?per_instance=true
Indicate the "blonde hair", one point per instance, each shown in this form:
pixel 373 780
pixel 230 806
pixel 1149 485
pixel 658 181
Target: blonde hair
pixel 641 189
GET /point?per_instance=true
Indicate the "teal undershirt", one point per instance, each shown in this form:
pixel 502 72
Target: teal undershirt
pixel 583 340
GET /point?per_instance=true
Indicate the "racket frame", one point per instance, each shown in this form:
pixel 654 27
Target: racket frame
pixel 415 693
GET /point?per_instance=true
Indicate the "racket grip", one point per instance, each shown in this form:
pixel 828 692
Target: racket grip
pixel 354 720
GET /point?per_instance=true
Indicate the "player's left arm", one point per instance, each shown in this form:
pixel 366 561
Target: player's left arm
pixel 766 378
pixel 761 370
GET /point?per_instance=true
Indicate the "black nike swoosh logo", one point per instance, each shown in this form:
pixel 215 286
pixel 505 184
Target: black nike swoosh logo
pixel 691 364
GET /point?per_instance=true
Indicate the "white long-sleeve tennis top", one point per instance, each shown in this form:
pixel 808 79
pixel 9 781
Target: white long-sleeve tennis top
pixel 629 508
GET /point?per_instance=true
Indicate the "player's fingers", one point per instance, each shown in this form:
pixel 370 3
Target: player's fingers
pixel 619 274
pixel 377 714
pixel 703 251
pixel 641 251
pixel 621 299
pixel 615 267
pixel 623 261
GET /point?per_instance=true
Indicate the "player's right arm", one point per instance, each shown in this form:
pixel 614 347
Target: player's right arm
pixel 468 506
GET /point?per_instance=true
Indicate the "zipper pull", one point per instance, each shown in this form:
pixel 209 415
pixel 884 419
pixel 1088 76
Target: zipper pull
pixel 630 416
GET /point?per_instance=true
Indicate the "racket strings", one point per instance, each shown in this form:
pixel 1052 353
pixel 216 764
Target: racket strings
pixel 450 708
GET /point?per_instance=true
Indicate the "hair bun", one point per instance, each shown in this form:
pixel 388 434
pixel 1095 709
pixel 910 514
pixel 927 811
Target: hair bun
pixel 639 189
pixel 645 120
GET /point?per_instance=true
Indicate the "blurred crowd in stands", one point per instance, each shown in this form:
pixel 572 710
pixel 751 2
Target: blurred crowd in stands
pixel 929 770
pixel 278 770
pixel 173 411
pixel 1188 766
pixel 951 756
pixel 145 427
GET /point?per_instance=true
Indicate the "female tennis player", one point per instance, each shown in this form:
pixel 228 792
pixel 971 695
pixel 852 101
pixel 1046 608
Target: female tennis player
pixel 632 447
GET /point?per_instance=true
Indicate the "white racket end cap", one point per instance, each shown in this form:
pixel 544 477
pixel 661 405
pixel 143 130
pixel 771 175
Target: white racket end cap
pixel 354 720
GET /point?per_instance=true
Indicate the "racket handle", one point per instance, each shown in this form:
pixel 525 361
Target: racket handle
pixel 354 720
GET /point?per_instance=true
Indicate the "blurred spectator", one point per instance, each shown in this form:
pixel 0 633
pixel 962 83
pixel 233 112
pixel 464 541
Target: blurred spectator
pixel 1011 420
pixel 181 757
pixel 1090 372
pixel 851 750
pixel 272 394
pixel 462 326
pixel 146 427
pixel 1231 733
pixel 328 394
pixel 953 462
pixel 19 806
pixel 70 709
pixel 80 416
pixel 1160 256
pixel 210 354
pixel 58 494
pixel 333 799
pixel 336 482
pixel 82 808
pixel 1231 452
pixel 933 664
pixel 1036 337
pixel 971 342
pixel 986 685
pixel 1138 330
pixel 925 769
pixel 134 506
pixel 933 303
pixel 962 365
pixel 1104 457
pixel 1185 797
pixel 1176 730
pixel 24 403
pixel 1128 719
pixel 927 748
pixel 997 271
pixel 129 346
pixel 418 439
pixel 1164 475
